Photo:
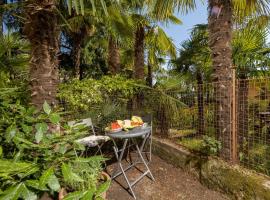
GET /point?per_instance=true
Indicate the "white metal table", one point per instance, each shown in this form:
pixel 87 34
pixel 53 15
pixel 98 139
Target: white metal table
pixel 132 137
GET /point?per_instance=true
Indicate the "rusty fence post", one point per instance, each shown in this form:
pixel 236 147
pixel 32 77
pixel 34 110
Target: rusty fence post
pixel 234 156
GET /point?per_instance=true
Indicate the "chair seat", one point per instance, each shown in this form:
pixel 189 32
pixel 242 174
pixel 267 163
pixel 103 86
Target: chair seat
pixel 93 140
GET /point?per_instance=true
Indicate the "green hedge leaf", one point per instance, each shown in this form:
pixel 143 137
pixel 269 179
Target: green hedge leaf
pixel 103 188
pixel 12 193
pixel 53 183
pixel 47 108
pixel 27 194
pixel 55 118
pixel 74 196
pixel 45 177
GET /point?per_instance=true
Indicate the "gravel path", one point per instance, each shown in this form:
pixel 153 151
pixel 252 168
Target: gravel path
pixel 171 184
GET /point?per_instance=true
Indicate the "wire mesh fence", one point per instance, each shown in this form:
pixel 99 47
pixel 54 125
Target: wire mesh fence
pixel 235 114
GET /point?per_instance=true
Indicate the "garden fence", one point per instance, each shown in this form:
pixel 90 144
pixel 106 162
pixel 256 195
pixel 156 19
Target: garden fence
pixel 236 113
pixel 240 120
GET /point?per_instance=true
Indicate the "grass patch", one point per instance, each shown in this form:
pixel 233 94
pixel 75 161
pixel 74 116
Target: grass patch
pixel 194 144
pixel 182 133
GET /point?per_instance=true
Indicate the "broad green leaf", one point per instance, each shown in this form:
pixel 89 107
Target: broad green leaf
pixel 26 129
pixel 17 156
pixel 103 187
pixel 28 143
pixel 11 132
pixel 35 184
pixel 70 176
pixel 1 151
pixel 12 193
pixel 74 196
pixel 45 177
pixel 47 108
pixel 62 149
pixel 38 136
pixel 88 195
pixel 54 183
pixel 41 129
pixel 55 118
pixel 16 168
pixel 42 126
pixel 32 170
pixel 26 194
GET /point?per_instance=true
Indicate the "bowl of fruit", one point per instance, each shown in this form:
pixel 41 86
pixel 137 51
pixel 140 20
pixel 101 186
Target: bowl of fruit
pixel 126 125
pixel 115 127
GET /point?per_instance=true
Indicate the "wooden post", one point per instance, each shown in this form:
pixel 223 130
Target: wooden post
pixel 234 156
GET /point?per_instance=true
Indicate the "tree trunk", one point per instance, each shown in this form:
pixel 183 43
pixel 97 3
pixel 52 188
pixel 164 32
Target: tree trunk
pixel 200 104
pixel 139 64
pixel 220 34
pixel 76 52
pixel 149 78
pixel 139 53
pixel 113 56
pixel 2 2
pixel 42 31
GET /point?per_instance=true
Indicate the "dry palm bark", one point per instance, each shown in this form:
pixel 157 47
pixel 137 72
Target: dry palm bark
pixel 113 56
pixel 149 78
pixel 139 53
pixel 78 39
pixel 220 34
pixel 139 63
pixel 42 31
pixel 2 2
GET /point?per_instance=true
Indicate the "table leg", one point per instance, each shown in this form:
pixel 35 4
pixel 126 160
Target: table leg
pixel 119 156
pixel 145 164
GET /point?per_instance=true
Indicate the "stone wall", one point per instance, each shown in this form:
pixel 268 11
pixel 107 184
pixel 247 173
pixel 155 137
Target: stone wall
pixel 216 174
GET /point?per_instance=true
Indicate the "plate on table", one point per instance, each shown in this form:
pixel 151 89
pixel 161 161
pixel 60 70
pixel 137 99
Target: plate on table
pixel 115 130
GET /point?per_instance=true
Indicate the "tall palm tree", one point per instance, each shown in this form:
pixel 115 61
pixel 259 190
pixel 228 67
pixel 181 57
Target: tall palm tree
pixel 41 28
pixel 113 56
pixel 119 26
pixel 220 23
pixel 220 37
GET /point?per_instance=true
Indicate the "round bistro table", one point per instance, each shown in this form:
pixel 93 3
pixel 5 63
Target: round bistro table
pixel 132 137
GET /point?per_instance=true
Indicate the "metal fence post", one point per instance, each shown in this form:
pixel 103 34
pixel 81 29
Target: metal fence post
pixel 234 156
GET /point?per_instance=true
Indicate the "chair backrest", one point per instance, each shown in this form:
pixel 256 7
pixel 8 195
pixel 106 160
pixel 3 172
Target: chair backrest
pixel 86 122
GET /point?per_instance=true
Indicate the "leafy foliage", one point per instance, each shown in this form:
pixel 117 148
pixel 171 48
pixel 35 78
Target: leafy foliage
pixel 88 93
pixel 30 166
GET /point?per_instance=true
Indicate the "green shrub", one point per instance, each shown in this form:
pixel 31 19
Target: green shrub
pixel 39 153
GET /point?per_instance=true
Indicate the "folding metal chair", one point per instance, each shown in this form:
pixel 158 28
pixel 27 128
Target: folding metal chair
pixel 92 140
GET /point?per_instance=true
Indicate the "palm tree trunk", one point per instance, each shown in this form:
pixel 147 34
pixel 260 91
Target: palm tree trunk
pixel 139 53
pixel 113 56
pixel 139 64
pixel 220 34
pixel 42 31
pixel 2 2
pixel 77 40
pixel 200 104
pixel 149 78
